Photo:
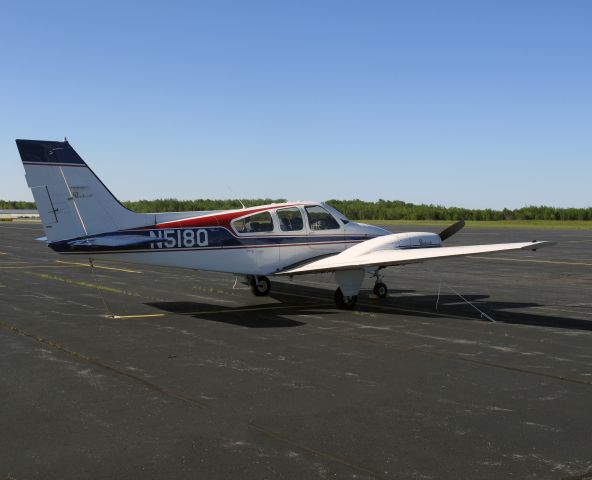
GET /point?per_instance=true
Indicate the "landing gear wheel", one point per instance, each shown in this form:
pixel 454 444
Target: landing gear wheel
pixel 260 286
pixel 344 303
pixel 380 290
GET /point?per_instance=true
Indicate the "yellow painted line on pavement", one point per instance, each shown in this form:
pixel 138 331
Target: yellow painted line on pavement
pixel 254 309
pixel 556 262
pixel 83 284
pixel 35 266
pixel 117 317
pixel 99 266
pixel 67 265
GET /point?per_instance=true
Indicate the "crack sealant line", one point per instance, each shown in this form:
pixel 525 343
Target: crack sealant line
pixel 319 453
pixel 105 366
pixel 454 356
pixel 191 401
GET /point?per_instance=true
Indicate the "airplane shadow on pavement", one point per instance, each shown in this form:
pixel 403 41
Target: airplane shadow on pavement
pixel 317 301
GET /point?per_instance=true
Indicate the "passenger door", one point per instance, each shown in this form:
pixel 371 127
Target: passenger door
pixel 258 252
pixel 292 238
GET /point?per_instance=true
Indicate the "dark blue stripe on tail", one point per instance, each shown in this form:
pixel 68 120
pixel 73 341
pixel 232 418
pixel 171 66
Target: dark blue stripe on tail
pixel 45 151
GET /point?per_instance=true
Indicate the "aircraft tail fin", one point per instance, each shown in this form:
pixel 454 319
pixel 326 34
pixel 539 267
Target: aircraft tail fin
pixel 71 200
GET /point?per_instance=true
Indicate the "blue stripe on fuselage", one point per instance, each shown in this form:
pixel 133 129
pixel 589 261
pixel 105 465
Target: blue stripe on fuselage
pixel 192 238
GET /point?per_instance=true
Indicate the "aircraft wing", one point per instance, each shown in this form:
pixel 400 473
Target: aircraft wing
pixel 389 258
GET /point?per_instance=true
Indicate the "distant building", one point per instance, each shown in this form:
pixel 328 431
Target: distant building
pixel 12 214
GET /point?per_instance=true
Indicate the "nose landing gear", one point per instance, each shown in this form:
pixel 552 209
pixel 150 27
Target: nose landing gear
pixel 260 285
pixel 380 288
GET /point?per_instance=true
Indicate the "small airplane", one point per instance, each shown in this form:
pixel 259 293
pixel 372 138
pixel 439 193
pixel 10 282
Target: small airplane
pixel 81 217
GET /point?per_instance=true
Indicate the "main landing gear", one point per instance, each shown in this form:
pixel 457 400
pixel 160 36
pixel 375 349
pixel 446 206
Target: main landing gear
pixel 380 290
pixel 260 285
pixel 349 282
pixel 344 302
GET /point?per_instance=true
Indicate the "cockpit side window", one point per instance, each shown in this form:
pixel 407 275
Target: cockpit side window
pixel 320 219
pixel 259 222
pixel 290 219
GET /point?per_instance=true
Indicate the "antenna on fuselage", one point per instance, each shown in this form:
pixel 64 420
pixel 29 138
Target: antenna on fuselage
pixel 234 195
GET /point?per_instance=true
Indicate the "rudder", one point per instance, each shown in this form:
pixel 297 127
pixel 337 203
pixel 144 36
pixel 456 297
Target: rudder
pixel 71 200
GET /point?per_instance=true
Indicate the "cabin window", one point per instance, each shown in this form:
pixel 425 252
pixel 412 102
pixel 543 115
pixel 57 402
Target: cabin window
pixel 259 222
pixel 290 219
pixel 320 219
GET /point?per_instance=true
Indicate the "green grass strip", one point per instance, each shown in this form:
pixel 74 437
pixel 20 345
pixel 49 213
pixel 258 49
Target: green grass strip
pixel 543 224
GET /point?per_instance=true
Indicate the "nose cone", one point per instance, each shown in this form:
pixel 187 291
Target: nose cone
pixel 365 229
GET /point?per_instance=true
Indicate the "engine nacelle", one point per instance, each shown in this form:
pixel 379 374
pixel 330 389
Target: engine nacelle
pixel 395 241
pixel 419 240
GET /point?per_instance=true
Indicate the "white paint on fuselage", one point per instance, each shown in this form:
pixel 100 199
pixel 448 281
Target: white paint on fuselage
pixel 265 260
pixel 247 261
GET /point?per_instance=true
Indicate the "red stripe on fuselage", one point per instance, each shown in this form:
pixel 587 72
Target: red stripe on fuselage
pixel 217 219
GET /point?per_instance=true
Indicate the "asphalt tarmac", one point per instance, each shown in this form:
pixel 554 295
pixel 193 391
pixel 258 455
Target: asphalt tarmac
pixel 195 379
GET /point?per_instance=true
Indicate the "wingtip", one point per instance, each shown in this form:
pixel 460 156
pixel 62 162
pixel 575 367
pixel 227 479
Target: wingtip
pixel 535 244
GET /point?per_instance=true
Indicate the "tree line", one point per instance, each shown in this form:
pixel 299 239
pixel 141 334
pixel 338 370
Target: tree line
pixel 357 209
pixel 17 205
pixel 398 210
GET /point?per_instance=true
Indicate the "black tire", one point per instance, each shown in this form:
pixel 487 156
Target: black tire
pixel 260 286
pixel 380 290
pixel 344 303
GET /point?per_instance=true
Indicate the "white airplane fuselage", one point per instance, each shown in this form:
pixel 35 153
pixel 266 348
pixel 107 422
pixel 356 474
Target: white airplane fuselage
pixel 81 217
pixel 212 241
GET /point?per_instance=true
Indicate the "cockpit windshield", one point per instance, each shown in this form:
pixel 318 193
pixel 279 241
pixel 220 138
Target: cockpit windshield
pixel 335 212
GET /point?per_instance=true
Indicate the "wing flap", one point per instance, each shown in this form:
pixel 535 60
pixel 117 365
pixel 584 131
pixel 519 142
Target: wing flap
pixel 388 258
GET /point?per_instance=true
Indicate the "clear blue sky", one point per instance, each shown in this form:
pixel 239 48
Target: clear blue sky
pixel 476 104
